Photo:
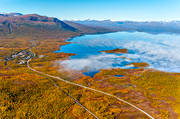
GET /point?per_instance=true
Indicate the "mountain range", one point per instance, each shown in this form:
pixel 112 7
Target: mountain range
pixel 147 26
pixel 17 24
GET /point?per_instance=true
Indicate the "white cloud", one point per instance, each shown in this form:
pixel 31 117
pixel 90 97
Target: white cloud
pixel 160 51
pixel 92 63
pixel 164 57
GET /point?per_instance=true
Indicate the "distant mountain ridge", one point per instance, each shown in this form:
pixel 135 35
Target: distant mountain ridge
pixel 89 29
pixel 152 27
pixel 10 14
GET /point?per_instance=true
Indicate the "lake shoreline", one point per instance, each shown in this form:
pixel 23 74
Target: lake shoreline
pixel 70 42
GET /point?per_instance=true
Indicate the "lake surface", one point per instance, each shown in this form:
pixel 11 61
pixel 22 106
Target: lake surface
pixel 161 51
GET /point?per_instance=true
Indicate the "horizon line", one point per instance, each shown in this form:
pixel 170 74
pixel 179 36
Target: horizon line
pixel 89 19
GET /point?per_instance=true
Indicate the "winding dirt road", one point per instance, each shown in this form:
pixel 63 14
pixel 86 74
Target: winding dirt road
pixel 92 89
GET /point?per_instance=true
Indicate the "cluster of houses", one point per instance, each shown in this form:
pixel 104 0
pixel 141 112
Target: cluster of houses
pixel 22 56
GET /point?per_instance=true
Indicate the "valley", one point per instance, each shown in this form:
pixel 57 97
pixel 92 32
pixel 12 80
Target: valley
pixel 31 91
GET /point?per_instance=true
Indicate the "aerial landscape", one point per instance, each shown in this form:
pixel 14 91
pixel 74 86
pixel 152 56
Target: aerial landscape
pixel 89 59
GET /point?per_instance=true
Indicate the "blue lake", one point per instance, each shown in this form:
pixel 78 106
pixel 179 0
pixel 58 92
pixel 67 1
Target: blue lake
pixel 161 51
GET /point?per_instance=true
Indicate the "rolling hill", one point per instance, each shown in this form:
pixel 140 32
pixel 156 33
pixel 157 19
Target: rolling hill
pixel 33 25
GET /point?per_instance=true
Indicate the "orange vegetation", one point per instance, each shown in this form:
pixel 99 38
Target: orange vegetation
pixel 116 51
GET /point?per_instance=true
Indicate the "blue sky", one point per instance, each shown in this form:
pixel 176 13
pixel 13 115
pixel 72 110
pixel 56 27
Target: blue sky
pixel 136 10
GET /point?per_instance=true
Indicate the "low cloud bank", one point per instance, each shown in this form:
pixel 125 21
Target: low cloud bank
pixel 163 55
pixel 161 51
pixel 94 62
